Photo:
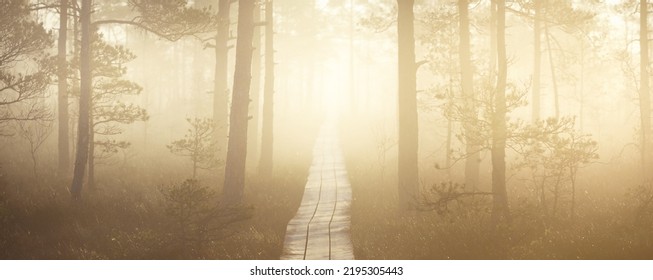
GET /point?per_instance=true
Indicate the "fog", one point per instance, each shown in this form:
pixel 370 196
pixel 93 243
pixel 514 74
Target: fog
pixel 434 151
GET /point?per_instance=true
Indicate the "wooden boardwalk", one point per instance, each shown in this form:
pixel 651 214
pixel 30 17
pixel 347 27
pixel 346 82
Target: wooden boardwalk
pixel 320 229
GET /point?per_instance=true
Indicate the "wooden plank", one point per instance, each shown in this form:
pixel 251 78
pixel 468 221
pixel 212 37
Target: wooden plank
pixel 321 227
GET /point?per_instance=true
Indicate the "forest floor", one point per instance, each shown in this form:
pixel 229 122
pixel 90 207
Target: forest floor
pixel 606 226
pixel 129 215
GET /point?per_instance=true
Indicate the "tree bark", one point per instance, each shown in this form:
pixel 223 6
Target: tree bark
pixel 267 129
pixel 91 152
pixel 407 106
pixel 537 61
pixel 644 94
pixel 86 77
pixel 500 201
pixel 234 183
pixel 62 98
pixel 255 93
pixel 221 86
pixel 472 165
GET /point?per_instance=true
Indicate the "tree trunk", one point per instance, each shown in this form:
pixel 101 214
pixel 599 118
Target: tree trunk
pixel 500 200
pixel 234 182
pixel 581 115
pixel 91 153
pixel 493 41
pixel 62 75
pixel 556 102
pixel 266 163
pixel 407 106
pixel 644 94
pixel 537 61
pixel 221 86
pixel 255 93
pixel 472 165
pixel 352 90
pixel 81 156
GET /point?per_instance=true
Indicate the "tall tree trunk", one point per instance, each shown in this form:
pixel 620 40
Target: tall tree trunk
pixel 556 102
pixel 472 165
pixel 62 75
pixel 407 106
pixel 644 94
pixel 537 61
pixel 500 200
pixel 582 85
pixel 91 153
pixel 352 90
pixel 255 93
pixel 267 129
pixel 221 86
pixel 81 157
pixel 234 182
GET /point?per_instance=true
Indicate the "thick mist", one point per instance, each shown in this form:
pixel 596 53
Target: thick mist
pixel 461 129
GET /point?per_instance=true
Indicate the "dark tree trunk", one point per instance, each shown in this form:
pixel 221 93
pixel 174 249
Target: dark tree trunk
pixel 255 92
pixel 500 200
pixel 234 182
pixel 86 77
pixel 472 165
pixel 221 86
pixel 62 75
pixel 91 153
pixel 407 106
pixel 537 61
pixel 267 129
pixel 644 94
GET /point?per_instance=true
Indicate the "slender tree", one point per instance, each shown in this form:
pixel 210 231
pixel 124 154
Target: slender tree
pixel 221 86
pixel 83 124
pixel 472 165
pixel 170 20
pixel 352 92
pixel 234 182
pixel 554 81
pixel 500 209
pixel 644 91
pixel 255 92
pixel 267 128
pixel 537 60
pixel 62 101
pixel 407 105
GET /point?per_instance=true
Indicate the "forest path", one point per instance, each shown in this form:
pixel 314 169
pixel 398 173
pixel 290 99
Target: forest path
pixel 320 229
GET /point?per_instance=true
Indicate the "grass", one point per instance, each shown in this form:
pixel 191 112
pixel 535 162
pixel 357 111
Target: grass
pixel 604 226
pixel 125 217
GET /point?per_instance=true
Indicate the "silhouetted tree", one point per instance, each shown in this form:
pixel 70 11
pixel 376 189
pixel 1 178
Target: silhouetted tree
pixel 86 80
pixel 198 145
pixel 234 182
pixel 267 124
pixel 35 134
pixel 25 67
pixel 108 111
pixel 407 105
pixel 500 209
pixel 253 134
pixel 644 92
pixel 221 86
pixel 472 162
pixel 171 20
pixel 62 100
